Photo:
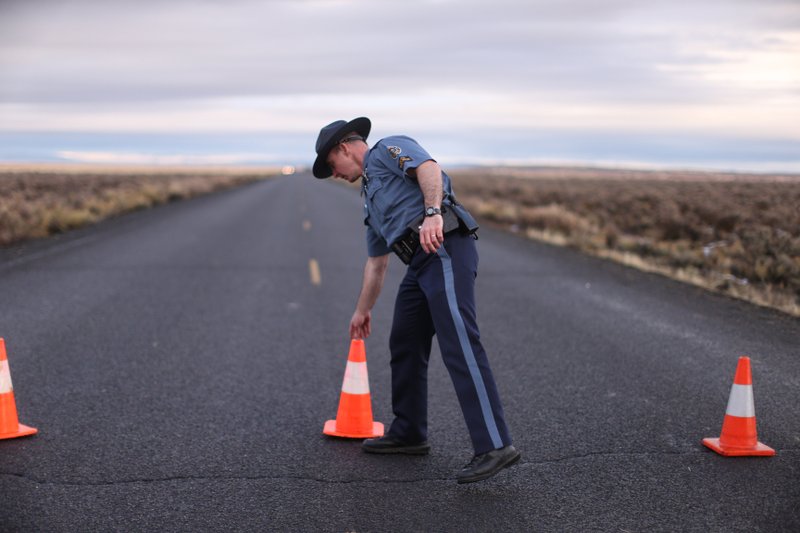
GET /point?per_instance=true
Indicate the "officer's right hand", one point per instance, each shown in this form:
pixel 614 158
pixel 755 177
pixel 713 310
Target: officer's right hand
pixel 431 233
pixel 360 325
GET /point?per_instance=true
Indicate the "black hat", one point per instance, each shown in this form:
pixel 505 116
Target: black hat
pixel 330 135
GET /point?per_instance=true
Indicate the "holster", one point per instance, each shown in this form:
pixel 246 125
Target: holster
pixel 455 217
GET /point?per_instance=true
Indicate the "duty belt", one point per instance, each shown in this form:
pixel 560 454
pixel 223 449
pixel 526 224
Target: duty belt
pixel 407 245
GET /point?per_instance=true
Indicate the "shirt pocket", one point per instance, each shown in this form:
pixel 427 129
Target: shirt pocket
pixel 375 200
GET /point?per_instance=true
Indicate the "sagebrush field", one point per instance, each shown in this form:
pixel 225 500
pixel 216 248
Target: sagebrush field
pixel 42 201
pixel 733 233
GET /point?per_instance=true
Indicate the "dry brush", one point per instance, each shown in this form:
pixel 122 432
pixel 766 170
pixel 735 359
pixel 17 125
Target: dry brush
pixel 40 203
pixel 735 234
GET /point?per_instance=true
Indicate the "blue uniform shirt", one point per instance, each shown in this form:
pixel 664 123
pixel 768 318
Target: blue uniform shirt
pixel 392 198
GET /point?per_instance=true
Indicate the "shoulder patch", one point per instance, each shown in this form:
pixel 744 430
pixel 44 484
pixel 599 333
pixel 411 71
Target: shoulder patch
pixel 394 151
pixel 403 161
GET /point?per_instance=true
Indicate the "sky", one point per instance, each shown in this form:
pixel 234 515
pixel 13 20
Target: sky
pixel 681 83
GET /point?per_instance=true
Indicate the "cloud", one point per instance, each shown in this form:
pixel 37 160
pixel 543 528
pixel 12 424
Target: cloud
pixel 715 67
pixel 127 158
pixel 120 52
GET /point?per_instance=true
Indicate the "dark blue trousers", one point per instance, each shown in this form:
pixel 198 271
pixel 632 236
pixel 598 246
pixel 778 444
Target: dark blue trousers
pixel 437 296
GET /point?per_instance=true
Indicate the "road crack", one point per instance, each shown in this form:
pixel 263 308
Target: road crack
pixel 524 464
pixel 169 479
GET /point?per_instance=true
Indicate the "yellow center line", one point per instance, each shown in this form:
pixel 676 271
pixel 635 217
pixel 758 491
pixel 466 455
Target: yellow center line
pixel 307 225
pixel 313 269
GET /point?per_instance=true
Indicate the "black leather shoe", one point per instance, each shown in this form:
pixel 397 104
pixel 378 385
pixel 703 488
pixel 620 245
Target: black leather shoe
pixel 392 445
pixel 488 464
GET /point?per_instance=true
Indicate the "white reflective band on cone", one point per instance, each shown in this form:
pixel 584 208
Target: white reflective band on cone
pixel 355 379
pixel 740 402
pixel 5 378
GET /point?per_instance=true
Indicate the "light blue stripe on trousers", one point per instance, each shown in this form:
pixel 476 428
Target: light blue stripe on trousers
pixel 466 348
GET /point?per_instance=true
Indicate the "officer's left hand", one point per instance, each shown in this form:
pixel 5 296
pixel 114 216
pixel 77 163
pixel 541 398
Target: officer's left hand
pixel 431 234
pixel 360 325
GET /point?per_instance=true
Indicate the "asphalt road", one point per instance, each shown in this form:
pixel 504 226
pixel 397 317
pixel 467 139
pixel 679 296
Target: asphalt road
pixel 179 364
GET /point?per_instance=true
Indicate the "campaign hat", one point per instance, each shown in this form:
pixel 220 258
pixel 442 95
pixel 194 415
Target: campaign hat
pixel 330 135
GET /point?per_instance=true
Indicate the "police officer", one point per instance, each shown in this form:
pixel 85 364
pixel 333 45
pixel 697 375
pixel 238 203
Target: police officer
pixel 401 182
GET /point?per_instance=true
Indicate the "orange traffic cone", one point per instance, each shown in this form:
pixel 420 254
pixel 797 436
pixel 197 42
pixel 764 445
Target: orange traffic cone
pixel 354 418
pixel 9 423
pixel 738 436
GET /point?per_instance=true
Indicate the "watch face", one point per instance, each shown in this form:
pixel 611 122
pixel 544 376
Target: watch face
pixel 429 211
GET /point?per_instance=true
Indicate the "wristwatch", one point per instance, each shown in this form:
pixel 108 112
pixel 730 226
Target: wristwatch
pixel 431 211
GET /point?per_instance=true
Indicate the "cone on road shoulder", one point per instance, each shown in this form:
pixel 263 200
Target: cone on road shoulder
pixel 738 437
pixel 9 422
pixel 354 418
